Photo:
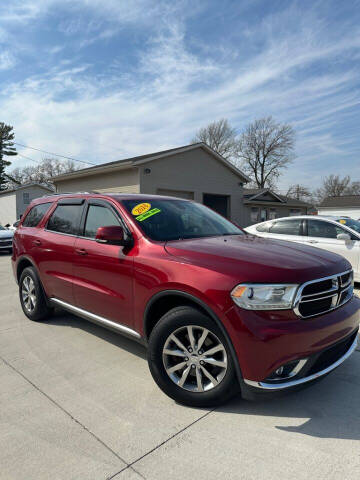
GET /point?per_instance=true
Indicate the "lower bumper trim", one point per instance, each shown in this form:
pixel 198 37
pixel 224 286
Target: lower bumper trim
pixel 299 381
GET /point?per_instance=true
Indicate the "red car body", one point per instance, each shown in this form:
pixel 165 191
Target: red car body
pixel 131 286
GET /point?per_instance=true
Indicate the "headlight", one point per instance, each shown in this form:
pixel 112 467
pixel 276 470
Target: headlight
pixel 264 297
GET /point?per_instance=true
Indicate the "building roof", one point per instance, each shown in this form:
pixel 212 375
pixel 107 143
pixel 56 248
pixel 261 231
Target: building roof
pixel 251 196
pixel 136 161
pixel 341 201
pixel 26 185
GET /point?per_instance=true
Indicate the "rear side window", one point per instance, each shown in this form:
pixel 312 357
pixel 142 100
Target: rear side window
pixel 99 217
pixel 35 215
pixel 287 227
pixel 65 219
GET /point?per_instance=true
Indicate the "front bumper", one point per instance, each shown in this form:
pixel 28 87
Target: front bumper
pixel 265 341
pixel 307 378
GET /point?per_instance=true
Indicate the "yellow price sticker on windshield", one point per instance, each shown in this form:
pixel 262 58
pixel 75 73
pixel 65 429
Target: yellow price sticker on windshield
pixel 141 208
pixel 342 221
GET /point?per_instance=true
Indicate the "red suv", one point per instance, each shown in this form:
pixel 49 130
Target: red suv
pixel 220 310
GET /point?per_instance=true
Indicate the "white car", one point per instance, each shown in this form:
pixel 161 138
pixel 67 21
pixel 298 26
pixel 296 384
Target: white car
pixel 13 227
pixel 6 238
pixel 337 234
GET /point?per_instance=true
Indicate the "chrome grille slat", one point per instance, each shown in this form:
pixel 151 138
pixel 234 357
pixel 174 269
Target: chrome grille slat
pixel 317 299
pixel 342 292
pixel 322 293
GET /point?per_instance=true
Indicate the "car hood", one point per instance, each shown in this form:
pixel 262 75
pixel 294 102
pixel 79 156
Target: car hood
pixel 6 234
pixel 257 259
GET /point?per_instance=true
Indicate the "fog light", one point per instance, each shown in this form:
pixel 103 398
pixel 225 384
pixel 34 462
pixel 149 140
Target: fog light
pixel 288 370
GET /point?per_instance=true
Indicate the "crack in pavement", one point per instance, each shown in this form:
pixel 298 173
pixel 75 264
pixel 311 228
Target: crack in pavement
pixel 128 465
pixel 161 444
pixel 54 402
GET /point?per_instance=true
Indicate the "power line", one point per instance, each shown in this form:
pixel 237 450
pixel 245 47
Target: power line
pixel 55 154
pixel 28 158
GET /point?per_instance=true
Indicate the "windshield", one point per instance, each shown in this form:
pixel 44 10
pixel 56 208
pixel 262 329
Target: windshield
pixel 2 228
pixel 349 222
pixel 165 220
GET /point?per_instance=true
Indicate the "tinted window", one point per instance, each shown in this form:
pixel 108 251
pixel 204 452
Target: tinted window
pixel 264 227
pixel 98 217
pixel 287 227
pixel 318 228
pixel 65 219
pixel 177 219
pixel 35 215
pixel 349 222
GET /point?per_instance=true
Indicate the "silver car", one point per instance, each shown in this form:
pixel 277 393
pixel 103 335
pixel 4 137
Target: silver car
pixel 6 239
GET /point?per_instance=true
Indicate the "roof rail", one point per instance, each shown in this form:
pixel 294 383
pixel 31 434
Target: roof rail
pixel 69 193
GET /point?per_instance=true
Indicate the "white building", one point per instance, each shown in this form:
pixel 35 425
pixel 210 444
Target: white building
pixel 14 202
pixel 345 205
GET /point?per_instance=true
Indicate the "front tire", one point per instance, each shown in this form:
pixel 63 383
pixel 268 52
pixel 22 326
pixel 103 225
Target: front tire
pixel 190 360
pixel 32 296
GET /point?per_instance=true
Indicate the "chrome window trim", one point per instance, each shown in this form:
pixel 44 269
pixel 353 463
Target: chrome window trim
pixel 336 277
pixel 299 381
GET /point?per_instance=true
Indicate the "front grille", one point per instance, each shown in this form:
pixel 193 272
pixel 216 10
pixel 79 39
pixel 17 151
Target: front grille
pixel 325 294
pixel 5 243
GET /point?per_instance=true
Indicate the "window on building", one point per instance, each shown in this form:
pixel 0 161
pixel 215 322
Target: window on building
pixel 35 215
pixel 294 212
pixel 65 219
pixel 26 198
pixel 286 227
pixel 272 214
pixel 263 214
pixel 254 215
pixel 97 217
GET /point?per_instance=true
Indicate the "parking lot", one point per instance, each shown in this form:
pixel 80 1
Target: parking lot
pixel 78 402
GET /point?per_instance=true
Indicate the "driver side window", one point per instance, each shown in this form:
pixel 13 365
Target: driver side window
pixel 318 228
pixel 97 217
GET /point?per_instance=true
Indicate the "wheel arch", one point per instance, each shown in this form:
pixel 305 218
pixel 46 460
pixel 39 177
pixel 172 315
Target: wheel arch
pixel 164 301
pixel 23 263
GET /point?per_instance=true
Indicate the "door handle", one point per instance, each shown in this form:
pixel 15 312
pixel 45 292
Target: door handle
pixel 313 241
pixel 36 243
pixel 81 251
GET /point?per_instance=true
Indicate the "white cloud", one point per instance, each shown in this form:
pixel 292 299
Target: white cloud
pixel 7 60
pixel 170 91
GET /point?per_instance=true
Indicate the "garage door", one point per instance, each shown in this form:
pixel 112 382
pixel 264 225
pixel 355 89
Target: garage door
pixel 176 193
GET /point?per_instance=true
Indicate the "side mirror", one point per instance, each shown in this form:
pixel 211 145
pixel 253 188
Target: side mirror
pixel 112 235
pixel 343 236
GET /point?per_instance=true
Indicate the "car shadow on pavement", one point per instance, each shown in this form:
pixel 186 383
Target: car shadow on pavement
pixel 65 319
pixel 327 409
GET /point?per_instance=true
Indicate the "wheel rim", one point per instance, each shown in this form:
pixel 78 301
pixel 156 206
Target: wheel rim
pixel 28 294
pixel 194 358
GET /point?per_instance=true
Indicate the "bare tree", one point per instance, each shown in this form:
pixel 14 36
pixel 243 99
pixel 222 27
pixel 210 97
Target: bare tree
pixel 266 149
pixel 299 192
pixel 221 137
pixel 354 188
pixel 42 172
pixel 334 186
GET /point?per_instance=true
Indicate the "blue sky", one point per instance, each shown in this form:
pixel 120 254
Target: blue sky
pixel 102 80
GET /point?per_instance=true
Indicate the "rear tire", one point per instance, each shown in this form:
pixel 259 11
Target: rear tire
pixel 201 373
pixel 32 297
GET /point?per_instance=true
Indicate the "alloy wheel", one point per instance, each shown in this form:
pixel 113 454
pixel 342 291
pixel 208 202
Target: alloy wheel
pixel 194 358
pixel 28 294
